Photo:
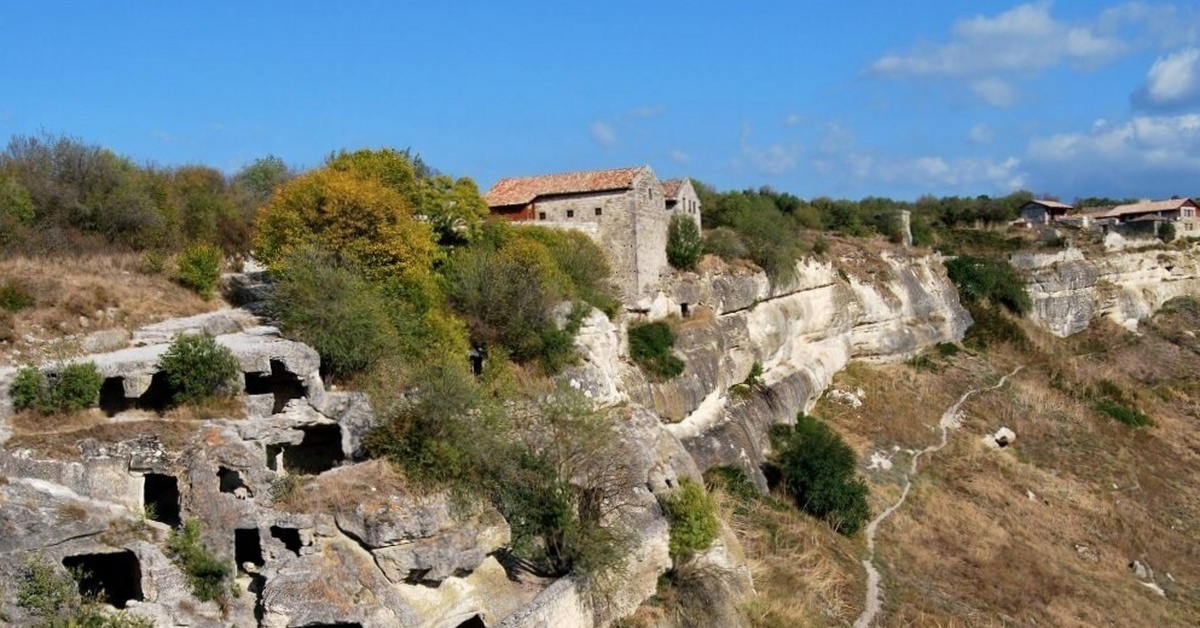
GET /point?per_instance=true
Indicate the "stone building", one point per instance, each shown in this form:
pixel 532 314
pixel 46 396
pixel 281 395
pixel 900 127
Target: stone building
pixel 625 210
pixel 1042 212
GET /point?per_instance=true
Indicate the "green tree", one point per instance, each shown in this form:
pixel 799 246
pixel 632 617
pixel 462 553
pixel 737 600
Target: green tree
pixel 818 471
pixel 360 221
pixel 692 514
pixel 684 245
pixel 1166 232
pixel 333 309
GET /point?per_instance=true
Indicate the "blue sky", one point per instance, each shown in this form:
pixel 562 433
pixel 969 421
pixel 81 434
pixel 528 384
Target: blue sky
pixel 849 99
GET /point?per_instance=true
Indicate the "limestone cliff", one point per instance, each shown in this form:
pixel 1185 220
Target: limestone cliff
pixel 352 548
pixel 1069 289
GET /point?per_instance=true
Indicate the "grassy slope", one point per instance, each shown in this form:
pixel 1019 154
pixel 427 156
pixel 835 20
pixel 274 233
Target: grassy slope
pixel 970 547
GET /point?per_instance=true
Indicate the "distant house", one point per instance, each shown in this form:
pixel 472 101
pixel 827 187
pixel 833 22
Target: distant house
pixel 1146 216
pixel 1042 212
pixel 625 210
pixel 679 196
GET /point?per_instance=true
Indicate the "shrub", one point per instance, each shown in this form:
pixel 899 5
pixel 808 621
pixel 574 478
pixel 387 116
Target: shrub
pixel 734 482
pixel 992 327
pixel 650 346
pixel 30 388
pixel 15 297
pixel 334 310
pixel 205 572
pixel 726 244
pixel 818 471
pixel 692 514
pixel 200 269
pixel 75 387
pixel 1166 232
pixel 1123 413
pixel 198 368
pixel 987 279
pixel 684 246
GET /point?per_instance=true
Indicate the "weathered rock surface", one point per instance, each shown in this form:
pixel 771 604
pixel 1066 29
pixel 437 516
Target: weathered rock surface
pixel 1069 290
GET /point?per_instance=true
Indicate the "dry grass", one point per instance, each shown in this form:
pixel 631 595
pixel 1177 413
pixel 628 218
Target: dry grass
pixel 368 485
pixel 970 547
pixel 63 444
pixel 86 293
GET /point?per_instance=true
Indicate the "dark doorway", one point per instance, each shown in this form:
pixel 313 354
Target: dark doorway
pixel 160 494
pixel 247 548
pixel 474 622
pixel 281 383
pixel 290 538
pixel 319 451
pixel 158 396
pixel 112 396
pixel 684 310
pixel 111 578
pixel 231 482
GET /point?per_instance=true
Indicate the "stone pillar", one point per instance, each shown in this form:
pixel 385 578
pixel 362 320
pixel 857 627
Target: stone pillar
pixel 906 227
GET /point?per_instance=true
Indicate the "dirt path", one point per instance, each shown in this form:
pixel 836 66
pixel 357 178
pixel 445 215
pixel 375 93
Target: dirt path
pixel 951 418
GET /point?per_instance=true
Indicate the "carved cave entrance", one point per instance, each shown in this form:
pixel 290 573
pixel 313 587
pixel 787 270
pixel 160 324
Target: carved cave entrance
pixel 160 494
pixel 114 579
pixel 281 383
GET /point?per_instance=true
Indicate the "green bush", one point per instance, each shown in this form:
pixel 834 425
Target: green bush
pixel 30 389
pixel 335 311
pixel 650 346
pixel 76 387
pixel 1166 232
pixel 1123 413
pixel 15 297
pixel 725 243
pixel 692 514
pixel 818 470
pixel 73 388
pixel 992 327
pixel 198 368
pixel 200 269
pixel 684 246
pixel 205 572
pixel 980 279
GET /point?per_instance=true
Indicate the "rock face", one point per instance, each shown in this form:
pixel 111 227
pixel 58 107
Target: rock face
pixel 1068 290
pixel 800 334
pixel 349 548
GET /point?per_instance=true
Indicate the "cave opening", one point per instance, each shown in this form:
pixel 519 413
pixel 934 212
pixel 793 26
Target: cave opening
pixel 320 450
pixel 474 622
pixel 290 537
pixel 160 494
pixel 231 482
pixel 114 579
pixel 112 396
pixel 280 382
pixel 159 396
pixel 247 549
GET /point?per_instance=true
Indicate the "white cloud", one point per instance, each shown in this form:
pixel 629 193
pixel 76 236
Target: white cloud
pixel 1024 39
pixel 995 92
pixel 771 159
pixel 839 156
pixel 678 156
pixel 602 133
pixel 981 134
pixel 1142 143
pixel 1173 81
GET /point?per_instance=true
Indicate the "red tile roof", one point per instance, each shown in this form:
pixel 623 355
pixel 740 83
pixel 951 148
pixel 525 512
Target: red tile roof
pixel 1144 207
pixel 1054 204
pixel 671 188
pixel 522 190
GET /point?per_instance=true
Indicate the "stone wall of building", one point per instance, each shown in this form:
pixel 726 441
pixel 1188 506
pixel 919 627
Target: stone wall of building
pixel 630 225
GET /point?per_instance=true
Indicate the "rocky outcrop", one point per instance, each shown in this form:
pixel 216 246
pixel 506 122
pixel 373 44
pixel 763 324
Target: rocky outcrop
pixel 1070 290
pixel 800 334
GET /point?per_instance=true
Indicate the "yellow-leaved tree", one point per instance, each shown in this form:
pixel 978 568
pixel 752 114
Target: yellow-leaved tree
pixel 362 222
